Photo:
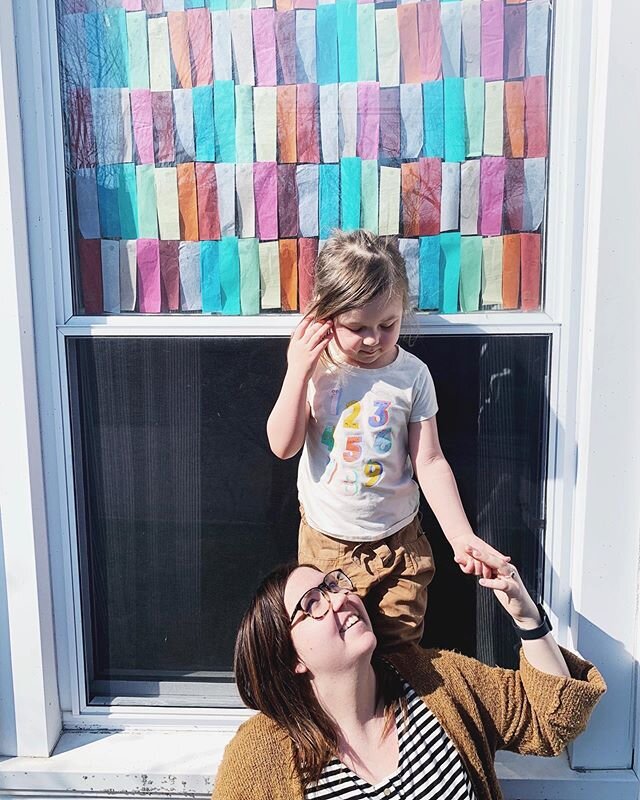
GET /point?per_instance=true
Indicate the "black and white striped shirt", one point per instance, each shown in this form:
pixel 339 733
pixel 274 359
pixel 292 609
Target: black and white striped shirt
pixel 429 767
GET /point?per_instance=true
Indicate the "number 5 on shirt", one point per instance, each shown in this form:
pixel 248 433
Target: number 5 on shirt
pixel 353 448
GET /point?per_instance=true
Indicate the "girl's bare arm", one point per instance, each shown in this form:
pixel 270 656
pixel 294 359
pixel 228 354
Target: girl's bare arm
pixel 436 480
pixel 287 423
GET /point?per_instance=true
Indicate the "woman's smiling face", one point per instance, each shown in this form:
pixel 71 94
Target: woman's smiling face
pixel 334 642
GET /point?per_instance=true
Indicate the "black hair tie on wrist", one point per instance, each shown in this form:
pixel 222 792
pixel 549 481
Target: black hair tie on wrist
pixel 543 628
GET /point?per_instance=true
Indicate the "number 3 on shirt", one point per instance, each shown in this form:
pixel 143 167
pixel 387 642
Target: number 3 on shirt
pixel 381 416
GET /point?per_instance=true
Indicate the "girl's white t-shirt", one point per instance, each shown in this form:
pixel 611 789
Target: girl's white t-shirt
pixel 355 479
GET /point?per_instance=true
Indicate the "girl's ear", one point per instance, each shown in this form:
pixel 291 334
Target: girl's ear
pixel 300 668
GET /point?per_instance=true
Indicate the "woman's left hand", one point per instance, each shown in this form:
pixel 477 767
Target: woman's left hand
pixel 508 587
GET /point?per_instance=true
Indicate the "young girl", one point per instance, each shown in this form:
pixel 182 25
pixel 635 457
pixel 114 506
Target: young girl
pixel 364 409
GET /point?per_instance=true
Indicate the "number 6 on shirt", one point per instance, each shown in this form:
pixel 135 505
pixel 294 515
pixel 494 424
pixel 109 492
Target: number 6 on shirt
pixel 382 441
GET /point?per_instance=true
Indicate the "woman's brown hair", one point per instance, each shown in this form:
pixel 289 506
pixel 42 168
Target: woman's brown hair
pixel 264 665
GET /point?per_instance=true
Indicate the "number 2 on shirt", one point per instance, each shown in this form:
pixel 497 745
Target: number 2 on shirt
pixel 351 420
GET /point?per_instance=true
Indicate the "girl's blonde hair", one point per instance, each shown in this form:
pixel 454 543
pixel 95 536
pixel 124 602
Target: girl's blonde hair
pixel 354 268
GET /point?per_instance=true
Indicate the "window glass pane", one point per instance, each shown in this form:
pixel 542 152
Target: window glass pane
pixel 182 507
pixel 210 151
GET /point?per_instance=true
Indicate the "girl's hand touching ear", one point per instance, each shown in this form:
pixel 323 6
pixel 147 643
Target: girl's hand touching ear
pixel 308 341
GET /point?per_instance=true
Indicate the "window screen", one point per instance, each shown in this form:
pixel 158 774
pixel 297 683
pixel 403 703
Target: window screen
pixel 182 508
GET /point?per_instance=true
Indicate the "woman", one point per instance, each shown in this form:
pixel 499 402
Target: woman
pixel 339 721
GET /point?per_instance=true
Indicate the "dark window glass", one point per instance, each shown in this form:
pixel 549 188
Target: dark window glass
pixel 182 508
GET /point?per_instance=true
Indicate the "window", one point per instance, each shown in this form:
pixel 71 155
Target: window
pixel 211 149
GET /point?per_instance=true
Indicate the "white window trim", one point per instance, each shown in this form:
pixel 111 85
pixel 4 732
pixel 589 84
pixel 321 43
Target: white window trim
pixel 604 569
pixel 576 497
pixel 162 764
pixel 28 682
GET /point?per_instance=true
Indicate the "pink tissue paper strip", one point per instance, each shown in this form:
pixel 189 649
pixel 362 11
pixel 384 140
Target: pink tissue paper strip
pixel 149 294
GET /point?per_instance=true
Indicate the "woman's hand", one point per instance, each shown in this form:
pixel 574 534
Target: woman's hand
pixel 308 341
pixel 465 544
pixel 508 587
pixel 543 653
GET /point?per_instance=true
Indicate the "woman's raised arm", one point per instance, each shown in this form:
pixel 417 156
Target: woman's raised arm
pixel 538 644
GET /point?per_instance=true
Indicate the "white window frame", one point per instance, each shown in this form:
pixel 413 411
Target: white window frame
pixel 590 587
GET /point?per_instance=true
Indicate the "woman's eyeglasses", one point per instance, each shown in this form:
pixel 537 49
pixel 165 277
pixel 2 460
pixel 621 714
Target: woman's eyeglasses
pixel 315 602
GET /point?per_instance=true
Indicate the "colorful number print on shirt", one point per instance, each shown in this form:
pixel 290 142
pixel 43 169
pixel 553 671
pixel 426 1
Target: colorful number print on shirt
pixel 357 443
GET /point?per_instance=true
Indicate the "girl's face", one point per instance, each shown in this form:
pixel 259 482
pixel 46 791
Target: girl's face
pixel 367 336
pixel 333 643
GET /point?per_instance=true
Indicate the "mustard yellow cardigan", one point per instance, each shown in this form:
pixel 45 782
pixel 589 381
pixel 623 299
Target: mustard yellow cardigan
pixel 483 709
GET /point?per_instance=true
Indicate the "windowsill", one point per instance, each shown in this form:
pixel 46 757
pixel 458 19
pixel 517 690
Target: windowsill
pixel 182 764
